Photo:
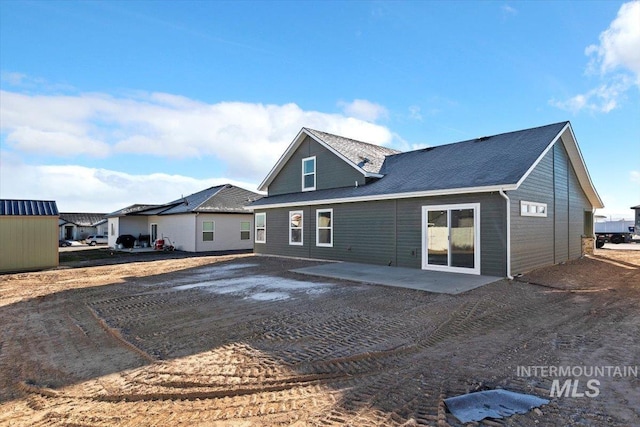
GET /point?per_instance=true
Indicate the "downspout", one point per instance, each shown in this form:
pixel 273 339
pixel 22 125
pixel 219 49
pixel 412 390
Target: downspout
pixel 504 195
pixel 195 243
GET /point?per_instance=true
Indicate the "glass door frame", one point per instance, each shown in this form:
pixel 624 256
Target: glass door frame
pixel 476 238
pixel 153 233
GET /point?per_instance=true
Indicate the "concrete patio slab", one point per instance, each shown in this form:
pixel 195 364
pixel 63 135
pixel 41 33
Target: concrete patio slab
pixel 410 278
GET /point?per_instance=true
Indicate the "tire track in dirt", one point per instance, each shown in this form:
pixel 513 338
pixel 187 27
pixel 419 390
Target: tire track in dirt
pixel 115 334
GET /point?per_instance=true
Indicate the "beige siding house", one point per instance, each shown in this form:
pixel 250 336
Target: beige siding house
pixel 28 235
pixel 214 219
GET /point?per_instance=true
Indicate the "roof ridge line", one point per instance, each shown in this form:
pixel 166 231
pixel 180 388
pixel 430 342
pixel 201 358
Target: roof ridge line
pixel 352 139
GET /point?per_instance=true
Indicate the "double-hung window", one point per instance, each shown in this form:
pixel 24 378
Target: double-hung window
pixel 208 229
pixel 324 227
pixel 309 173
pixel 245 230
pixel 295 227
pixel 261 227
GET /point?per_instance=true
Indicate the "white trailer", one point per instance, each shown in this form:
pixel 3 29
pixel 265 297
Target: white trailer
pixel 613 231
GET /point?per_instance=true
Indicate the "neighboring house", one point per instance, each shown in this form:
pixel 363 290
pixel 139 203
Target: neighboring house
pixel 79 226
pixel 497 205
pixel 28 235
pixel 214 219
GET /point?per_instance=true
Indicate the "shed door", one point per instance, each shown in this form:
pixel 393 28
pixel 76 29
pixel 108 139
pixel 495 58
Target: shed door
pixel 451 238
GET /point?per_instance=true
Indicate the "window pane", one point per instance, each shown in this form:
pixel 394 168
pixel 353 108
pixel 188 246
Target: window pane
pixel 296 220
pixel 260 235
pixel 296 235
pixel 437 238
pixel 260 220
pixel 309 166
pixel 245 235
pixel 207 226
pixel 309 181
pixel 462 238
pixel 245 226
pixel 324 219
pixel 324 237
pixel 207 236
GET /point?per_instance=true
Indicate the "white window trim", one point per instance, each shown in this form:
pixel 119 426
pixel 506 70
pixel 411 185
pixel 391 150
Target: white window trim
pixel 315 168
pixel 536 205
pixel 213 223
pixel 301 242
pixel 325 245
pixel 263 214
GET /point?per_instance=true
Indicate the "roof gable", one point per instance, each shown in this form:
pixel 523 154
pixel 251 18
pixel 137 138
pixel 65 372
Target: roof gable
pixel 364 157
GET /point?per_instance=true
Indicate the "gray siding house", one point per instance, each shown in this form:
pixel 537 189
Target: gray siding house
pixel 497 205
pixel 79 226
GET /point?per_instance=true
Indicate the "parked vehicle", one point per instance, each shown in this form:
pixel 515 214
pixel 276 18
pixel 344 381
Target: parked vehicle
pixel 64 243
pixel 126 240
pixel 613 232
pixel 97 240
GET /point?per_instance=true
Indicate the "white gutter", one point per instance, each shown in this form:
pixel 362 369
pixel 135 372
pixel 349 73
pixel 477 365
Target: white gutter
pixel 504 195
pixel 390 196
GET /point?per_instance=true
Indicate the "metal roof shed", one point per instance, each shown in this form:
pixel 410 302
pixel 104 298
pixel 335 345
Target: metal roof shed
pixel 28 235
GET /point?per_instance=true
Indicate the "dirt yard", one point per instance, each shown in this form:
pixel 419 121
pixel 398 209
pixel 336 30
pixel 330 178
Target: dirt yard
pixel 241 341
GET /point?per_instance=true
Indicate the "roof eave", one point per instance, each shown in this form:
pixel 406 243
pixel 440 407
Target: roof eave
pixel 408 195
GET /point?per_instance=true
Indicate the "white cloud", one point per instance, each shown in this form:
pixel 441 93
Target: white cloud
pixel 363 109
pixel 617 58
pixel 82 189
pixel 12 78
pixel 56 143
pixel 634 177
pixel 620 43
pixel 508 10
pixel 602 99
pixel 248 138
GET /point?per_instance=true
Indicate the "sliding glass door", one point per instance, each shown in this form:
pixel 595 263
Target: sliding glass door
pixel 451 238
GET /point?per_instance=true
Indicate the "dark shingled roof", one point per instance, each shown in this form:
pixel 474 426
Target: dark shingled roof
pixel 28 208
pixel 83 219
pixel 225 198
pixel 131 210
pixel 483 162
pixel 368 157
pixel 222 198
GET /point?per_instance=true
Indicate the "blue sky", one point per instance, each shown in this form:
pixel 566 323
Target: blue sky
pixel 105 104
